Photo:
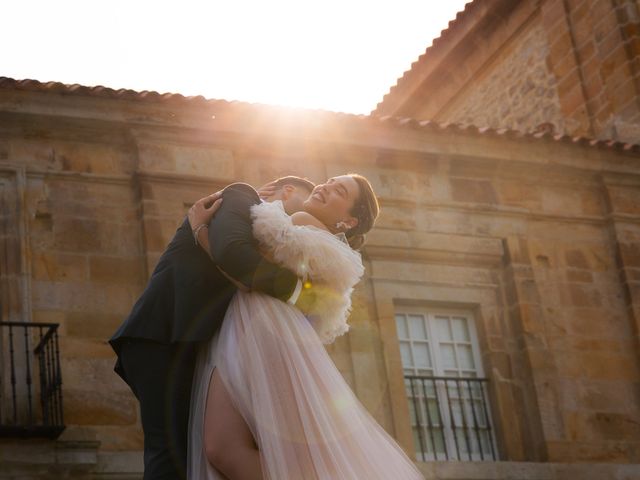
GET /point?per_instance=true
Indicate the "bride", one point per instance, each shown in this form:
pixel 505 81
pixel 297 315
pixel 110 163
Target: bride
pixel 267 400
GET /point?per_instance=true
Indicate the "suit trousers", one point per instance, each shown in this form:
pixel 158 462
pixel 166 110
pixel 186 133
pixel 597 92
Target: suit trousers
pixel 160 376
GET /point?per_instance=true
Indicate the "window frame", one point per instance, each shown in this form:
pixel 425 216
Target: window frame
pixel 434 348
pixel 429 317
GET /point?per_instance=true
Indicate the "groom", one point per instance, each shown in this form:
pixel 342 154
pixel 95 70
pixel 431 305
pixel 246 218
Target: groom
pixel 184 304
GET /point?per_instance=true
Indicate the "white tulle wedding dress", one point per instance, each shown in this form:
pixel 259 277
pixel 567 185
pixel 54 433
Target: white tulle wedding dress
pixel 305 419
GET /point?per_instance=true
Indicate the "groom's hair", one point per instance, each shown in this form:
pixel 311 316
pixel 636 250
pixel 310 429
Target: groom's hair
pixel 295 181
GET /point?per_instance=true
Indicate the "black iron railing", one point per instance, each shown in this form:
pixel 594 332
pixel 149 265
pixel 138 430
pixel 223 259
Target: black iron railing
pixel 30 380
pixel 450 418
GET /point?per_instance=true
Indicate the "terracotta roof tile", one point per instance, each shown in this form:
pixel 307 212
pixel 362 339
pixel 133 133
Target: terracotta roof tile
pixel 400 122
pixel 416 66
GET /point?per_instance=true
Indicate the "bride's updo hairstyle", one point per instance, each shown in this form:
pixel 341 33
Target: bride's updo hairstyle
pixel 365 209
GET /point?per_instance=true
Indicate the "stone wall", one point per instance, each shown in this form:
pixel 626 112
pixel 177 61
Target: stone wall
pixel 573 68
pixel 516 90
pixel 537 238
pixel 594 52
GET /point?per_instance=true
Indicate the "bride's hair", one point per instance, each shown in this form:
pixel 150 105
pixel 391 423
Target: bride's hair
pixel 365 209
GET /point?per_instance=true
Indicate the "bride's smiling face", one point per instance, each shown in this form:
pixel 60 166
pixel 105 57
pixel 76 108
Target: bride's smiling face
pixel 331 202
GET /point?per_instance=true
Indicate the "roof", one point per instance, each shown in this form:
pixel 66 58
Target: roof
pixel 397 122
pixel 445 35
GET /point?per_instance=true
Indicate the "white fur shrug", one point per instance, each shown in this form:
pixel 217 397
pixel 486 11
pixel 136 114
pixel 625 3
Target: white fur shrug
pixel 332 267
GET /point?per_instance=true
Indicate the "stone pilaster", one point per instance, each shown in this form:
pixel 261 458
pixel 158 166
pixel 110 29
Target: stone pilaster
pixel 537 371
pixel 623 203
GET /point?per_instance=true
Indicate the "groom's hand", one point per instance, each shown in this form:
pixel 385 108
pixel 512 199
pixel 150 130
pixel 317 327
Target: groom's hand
pixel 200 215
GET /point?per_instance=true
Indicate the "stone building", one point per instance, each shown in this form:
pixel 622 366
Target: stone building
pixel 510 260
pixel 566 66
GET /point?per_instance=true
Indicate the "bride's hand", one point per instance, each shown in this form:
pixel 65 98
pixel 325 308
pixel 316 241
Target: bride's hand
pixel 204 209
pixel 267 190
pixel 200 214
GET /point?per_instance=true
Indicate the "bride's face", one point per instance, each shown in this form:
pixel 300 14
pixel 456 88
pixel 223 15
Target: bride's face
pixel 331 202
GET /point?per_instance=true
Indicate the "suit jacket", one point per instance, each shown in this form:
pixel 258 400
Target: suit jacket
pixel 187 296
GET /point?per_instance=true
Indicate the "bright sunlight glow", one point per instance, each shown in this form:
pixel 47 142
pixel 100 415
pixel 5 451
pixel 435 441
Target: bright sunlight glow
pixel 340 55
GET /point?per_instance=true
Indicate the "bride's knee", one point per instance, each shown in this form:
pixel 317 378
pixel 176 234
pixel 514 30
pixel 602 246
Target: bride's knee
pixel 217 454
pixel 220 449
pixel 222 454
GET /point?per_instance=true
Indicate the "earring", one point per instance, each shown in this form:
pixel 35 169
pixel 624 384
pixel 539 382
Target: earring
pixel 342 225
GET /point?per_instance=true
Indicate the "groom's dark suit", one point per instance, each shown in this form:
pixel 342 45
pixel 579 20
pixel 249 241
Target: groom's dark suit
pixel 184 303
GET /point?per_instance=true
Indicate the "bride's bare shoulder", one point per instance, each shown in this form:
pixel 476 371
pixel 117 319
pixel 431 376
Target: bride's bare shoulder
pixel 304 218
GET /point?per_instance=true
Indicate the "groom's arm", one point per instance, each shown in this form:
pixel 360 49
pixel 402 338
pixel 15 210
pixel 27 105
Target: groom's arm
pixel 234 249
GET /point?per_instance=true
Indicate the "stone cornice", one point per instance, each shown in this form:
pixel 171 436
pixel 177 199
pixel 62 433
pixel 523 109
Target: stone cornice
pixel 128 122
pixel 230 125
pixel 213 182
pixel 612 178
pixel 427 247
pixel 182 179
pixel 515 212
pixel 34 172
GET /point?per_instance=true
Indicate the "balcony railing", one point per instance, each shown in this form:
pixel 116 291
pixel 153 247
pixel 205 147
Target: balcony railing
pixel 30 380
pixel 450 418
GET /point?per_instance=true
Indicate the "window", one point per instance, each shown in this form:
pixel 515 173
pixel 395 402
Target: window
pixel 445 384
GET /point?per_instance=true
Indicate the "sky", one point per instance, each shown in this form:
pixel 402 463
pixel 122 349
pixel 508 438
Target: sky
pixel 339 55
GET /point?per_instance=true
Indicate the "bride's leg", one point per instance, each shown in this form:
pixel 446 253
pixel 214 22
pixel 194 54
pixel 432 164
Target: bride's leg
pixel 228 442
